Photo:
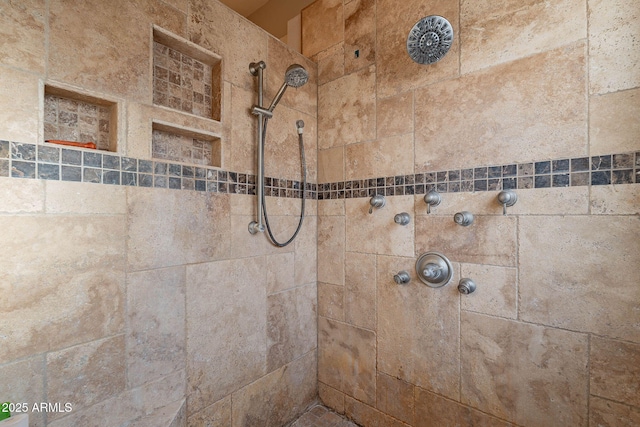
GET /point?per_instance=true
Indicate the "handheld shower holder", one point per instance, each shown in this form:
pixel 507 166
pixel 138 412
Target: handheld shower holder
pixel 295 76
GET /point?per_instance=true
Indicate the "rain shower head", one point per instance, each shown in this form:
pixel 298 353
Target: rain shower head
pixel 430 39
pixel 295 76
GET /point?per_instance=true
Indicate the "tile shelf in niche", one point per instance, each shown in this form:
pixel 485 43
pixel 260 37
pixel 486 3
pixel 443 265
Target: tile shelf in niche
pixel 184 145
pixel 186 77
pixel 75 118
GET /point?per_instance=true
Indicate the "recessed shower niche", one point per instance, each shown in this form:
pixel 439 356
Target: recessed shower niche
pixel 186 77
pixel 185 145
pixel 72 117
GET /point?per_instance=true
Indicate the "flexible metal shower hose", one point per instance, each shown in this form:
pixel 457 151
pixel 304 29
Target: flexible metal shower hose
pixel 304 185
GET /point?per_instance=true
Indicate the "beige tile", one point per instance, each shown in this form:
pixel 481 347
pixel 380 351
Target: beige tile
pixel 303 99
pixel 360 160
pixel 366 415
pixel 613 124
pixel 161 233
pixel 395 398
pixel 83 198
pixel 23 382
pixel 434 411
pixel 285 206
pixel 359 34
pixel 243 204
pixel 216 415
pixel 246 244
pixel 171 17
pixel 280 272
pixel 86 374
pixel 111 63
pixel 182 5
pixel 133 405
pixel 223 359
pixel 19 106
pixel 218 29
pixel 362 227
pixel 331 301
pixel 548 201
pixel 393 238
pixel 156 341
pixel 360 290
pixel 331 207
pixel 418 329
pixel 331 232
pixel 282 228
pixel 613 34
pixel 496 292
pixel 615 200
pixel 306 249
pixel 347 359
pixel 331 165
pixel 282 153
pixel 331 397
pixel 62 281
pixel 395 115
pixel 278 397
pixel 495 33
pixel 508 110
pixel 615 370
pixel 171 415
pixel 243 154
pixel 527 374
pixel 291 325
pixel 23 35
pixel 397 73
pixel 377 232
pixel 322 26
pixel 604 413
pixel 488 240
pixel 135 136
pixel 347 109
pixel 562 279
pixel 21 195
pixel 331 64
pixel 394 156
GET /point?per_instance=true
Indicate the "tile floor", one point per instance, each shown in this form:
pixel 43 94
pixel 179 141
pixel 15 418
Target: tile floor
pixel 320 416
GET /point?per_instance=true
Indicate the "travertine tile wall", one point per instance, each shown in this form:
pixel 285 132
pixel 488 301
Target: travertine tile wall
pixel 551 337
pixel 147 303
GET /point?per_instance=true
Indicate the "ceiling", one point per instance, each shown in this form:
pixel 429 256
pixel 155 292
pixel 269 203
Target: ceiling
pixel 245 7
pixel 271 15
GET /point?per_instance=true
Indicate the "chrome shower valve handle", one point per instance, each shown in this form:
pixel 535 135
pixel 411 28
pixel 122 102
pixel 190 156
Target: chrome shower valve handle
pixel 432 198
pixel 378 201
pixel 507 198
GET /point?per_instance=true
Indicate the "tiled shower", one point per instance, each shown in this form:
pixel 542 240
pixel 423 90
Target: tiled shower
pixel 131 288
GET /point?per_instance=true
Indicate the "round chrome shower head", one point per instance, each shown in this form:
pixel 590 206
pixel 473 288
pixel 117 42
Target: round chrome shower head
pixel 296 75
pixel 430 39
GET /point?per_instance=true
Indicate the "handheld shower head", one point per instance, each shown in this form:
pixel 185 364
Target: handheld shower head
pixel 295 76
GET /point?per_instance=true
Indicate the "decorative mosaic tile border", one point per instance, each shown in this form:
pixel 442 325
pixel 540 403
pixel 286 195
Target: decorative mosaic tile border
pixel 580 171
pixel 35 161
